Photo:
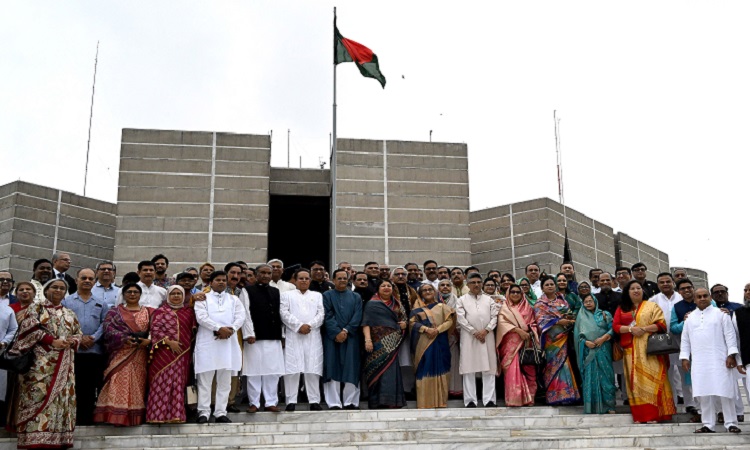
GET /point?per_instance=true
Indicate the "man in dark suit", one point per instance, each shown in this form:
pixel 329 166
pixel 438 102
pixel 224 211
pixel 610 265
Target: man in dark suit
pixel 6 285
pixel 61 264
pixel 608 299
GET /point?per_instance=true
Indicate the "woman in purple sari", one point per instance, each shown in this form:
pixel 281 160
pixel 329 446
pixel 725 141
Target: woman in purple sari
pixel 384 325
pixel 172 331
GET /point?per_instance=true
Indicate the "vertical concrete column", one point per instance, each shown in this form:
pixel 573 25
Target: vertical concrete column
pixel 596 251
pixel 512 241
pixel 385 200
pixel 211 198
pixel 57 221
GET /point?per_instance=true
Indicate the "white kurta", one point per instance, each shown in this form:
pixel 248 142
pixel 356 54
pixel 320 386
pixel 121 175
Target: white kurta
pixel 218 310
pixel 303 352
pixel 708 338
pixel 476 314
pixel 283 286
pixel 152 296
pixel 666 305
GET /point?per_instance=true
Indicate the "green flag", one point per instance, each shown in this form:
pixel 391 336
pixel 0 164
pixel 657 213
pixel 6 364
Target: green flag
pixel 346 50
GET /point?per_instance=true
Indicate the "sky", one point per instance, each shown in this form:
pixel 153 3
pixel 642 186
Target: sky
pixel 652 97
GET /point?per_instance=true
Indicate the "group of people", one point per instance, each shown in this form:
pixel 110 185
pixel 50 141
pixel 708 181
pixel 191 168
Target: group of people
pixel 134 353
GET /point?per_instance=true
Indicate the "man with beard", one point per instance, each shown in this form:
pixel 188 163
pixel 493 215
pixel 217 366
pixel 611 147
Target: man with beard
pixel 277 269
pixel 639 271
pixel 362 286
pixel 412 275
pixel 343 317
pixel 61 264
pixel 90 357
pixel 680 312
pixel 319 283
pixel 430 273
pixel 741 322
pixel 709 351
pixel 263 354
pixel 161 264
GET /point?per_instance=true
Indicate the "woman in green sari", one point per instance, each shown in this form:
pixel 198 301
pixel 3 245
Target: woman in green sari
pixel 528 292
pixel 593 334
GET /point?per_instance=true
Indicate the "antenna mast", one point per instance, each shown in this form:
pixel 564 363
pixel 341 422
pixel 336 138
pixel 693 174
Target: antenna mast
pixel 560 190
pixel 91 117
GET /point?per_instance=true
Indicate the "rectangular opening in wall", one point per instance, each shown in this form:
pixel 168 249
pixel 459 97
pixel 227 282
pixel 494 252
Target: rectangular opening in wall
pixel 299 229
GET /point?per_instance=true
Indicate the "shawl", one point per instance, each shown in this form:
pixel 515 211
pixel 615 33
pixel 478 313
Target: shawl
pixel 386 334
pixel 423 314
pixel 512 316
pixel 590 326
pixel 649 372
pixel 531 296
pixel 118 328
pixel 549 312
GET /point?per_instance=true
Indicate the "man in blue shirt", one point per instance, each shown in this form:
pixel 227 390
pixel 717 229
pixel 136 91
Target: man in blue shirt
pixel 90 359
pixel 105 287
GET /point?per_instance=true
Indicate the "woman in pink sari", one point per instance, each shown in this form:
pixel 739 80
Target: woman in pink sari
pixel 172 331
pixel 516 325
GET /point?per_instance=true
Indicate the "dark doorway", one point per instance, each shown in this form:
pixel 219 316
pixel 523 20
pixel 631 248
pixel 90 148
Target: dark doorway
pixel 298 229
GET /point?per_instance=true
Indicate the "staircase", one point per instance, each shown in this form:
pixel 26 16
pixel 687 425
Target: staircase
pixel 539 427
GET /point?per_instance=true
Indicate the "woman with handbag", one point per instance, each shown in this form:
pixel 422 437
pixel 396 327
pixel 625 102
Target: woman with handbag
pixel 556 321
pixel 517 334
pixel 649 391
pixel 122 400
pixel 172 332
pixel 46 413
pixel 593 336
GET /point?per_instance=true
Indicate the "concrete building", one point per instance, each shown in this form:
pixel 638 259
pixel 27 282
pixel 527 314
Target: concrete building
pixel 36 221
pixel 629 251
pixel 697 276
pixel 509 237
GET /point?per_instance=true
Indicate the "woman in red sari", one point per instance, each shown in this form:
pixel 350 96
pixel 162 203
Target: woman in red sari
pixel 516 325
pixel 172 331
pixel 122 400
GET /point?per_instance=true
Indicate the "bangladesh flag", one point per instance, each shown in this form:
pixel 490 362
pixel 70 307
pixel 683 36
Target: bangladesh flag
pixel 346 50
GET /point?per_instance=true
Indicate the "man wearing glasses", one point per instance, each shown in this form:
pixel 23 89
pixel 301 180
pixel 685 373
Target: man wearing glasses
pixel 680 312
pixel 105 288
pixel 720 295
pixel 649 287
pixel 6 285
pixel 61 263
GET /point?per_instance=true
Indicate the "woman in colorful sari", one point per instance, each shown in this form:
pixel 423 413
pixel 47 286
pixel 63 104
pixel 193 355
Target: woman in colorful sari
pixel 384 324
pixel 122 400
pixel 456 383
pixel 25 293
pixel 516 325
pixel 172 331
pixel 528 292
pixel 46 413
pixel 556 320
pixel 649 392
pixel 593 333
pixel 430 324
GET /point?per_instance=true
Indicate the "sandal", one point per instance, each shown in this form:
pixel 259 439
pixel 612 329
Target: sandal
pixel 703 429
pixel 695 419
pixel 734 429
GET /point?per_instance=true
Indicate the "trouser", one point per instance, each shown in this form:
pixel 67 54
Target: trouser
pixel 708 411
pixel 678 377
pixel 488 387
pixel 739 407
pixel 619 370
pixel 268 384
pixel 89 375
pixel 312 387
pixel 332 391
pixel 223 382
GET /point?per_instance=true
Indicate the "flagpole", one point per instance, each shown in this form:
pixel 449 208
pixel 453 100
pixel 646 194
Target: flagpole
pixel 91 117
pixel 333 156
pixel 561 194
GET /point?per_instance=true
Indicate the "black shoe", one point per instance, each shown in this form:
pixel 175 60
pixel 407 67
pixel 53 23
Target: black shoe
pixel 335 408
pixel 352 407
pixel 202 419
pixel 740 418
pixel 223 419
pixel 290 407
pixel 626 402
pixel 233 409
pixel 315 407
pixel 471 405
pixel 691 410
pixel 490 405
pixel 680 400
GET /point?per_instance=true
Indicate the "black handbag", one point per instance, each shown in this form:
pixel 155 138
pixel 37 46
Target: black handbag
pixel 532 355
pixel 662 344
pixel 16 363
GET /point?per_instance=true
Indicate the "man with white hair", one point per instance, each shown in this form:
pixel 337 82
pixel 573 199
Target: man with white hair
pixel 277 268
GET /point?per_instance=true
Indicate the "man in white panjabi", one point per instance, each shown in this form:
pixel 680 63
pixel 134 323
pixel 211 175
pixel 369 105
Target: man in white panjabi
pixel 217 352
pixel 709 351
pixel 476 314
pixel 263 362
pixel 303 314
pixel 277 269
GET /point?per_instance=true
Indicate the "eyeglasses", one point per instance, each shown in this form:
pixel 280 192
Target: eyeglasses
pixel 319 269
pixel 57 288
pixel 515 292
pixel 721 292
pixel 6 280
pixel 685 288
pixel 106 269
pixel 133 292
pixel 399 274
pixel 639 269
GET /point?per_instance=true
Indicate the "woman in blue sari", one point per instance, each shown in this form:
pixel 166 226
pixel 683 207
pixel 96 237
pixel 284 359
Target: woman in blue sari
pixel 556 320
pixel 430 322
pixel 383 324
pixel 593 333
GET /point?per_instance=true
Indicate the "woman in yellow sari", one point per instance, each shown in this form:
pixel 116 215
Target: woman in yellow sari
pixel 430 322
pixel 649 392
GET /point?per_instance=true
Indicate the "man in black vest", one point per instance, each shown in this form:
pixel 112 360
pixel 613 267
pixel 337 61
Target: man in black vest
pixel 741 319
pixel 263 361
